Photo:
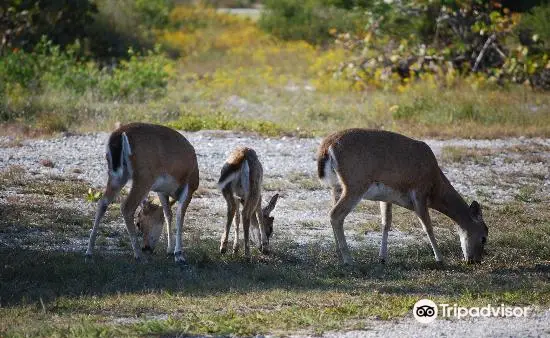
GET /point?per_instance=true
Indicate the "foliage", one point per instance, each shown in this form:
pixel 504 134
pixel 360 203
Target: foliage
pixel 221 121
pixel 139 78
pixel 48 68
pixel 23 23
pixel 93 195
pixel 471 38
pixel 105 28
pixel 195 30
pixel 311 20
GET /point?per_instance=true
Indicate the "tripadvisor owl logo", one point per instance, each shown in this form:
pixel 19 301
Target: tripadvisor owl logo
pixel 425 311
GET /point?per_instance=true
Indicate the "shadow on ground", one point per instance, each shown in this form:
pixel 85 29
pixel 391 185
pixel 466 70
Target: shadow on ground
pixel 30 275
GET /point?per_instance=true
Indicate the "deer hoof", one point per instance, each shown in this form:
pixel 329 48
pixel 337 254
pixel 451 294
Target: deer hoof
pixel 178 258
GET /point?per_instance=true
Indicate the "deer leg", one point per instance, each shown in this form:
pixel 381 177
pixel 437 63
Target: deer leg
pixel 247 215
pixel 343 207
pixel 237 221
pixel 421 210
pixel 128 208
pixel 168 219
pixel 385 213
pixel 183 202
pixel 256 228
pixel 336 193
pixel 102 205
pixel 260 229
pixel 231 208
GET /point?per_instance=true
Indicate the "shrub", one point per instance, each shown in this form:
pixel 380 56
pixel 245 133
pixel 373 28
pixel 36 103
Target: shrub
pixel 536 25
pixel 311 20
pixel 49 69
pixel 23 23
pixel 138 79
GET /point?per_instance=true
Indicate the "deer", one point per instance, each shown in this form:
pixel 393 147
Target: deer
pixel 156 158
pixel 241 183
pixel 392 168
pixel 150 221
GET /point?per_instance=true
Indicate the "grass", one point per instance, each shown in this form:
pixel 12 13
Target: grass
pixel 461 154
pixel 298 288
pixel 232 76
pixel 274 89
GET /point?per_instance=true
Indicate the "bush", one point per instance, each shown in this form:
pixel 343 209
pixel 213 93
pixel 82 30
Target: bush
pixel 121 25
pixel 106 28
pixel 536 23
pixel 311 20
pixel 24 75
pixel 23 23
pixel 138 79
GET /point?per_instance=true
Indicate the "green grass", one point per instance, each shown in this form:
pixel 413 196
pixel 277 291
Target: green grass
pixel 461 154
pixel 224 121
pixel 297 288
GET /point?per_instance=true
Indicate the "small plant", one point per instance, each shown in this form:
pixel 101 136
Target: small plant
pixel 93 195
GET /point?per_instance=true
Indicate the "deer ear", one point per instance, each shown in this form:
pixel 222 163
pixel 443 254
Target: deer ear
pixel 475 210
pixel 271 205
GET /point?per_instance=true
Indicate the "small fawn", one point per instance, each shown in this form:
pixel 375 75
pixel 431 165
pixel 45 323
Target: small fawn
pixel 241 183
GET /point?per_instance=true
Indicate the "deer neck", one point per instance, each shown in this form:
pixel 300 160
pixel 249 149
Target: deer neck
pixel 450 203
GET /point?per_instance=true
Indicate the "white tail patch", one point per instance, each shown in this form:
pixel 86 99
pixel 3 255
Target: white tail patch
pixel 228 179
pixel 125 153
pixel 241 176
pixel 331 165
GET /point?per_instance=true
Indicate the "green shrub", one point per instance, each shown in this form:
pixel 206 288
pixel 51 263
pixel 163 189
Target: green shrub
pixel 537 23
pixel 222 121
pixel 311 20
pixel 17 67
pixel 49 69
pixel 23 23
pixel 62 70
pixel 138 79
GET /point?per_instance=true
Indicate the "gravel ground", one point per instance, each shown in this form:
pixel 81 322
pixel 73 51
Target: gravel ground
pixel 535 326
pixel 506 169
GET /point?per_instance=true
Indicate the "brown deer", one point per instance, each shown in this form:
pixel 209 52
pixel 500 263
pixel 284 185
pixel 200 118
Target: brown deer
pixel 241 183
pixel 150 221
pixel 155 158
pixel 394 169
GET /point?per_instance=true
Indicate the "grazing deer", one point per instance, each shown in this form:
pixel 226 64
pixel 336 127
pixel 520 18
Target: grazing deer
pixel 151 220
pixel 391 168
pixel 155 158
pixel 241 182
